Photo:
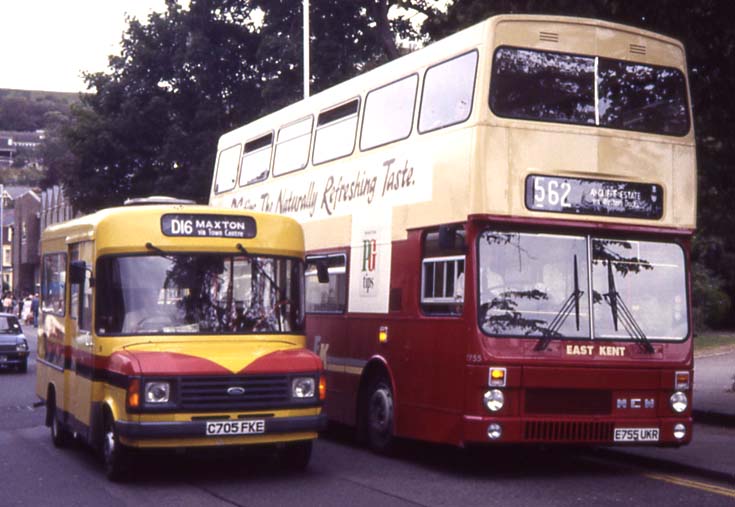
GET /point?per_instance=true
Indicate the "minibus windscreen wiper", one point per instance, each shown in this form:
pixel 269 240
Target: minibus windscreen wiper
pixel 571 302
pixel 621 312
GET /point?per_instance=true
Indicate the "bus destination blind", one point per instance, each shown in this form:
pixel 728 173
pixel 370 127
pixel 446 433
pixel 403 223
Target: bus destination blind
pixel 208 226
pixel 579 196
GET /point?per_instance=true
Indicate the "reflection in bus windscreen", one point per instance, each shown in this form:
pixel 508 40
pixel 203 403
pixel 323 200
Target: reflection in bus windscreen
pixel 537 285
pixel 559 87
pixel 198 294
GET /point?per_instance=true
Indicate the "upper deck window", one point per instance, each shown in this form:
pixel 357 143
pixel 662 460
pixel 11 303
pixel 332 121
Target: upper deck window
pixel 388 113
pixel 447 95
pixel 588 90
pixel 256 160
pixel 292 148
pixel 227 169
pixel 335 132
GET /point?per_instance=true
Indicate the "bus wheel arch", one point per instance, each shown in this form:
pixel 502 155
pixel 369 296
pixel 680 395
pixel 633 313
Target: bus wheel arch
pixel 376 413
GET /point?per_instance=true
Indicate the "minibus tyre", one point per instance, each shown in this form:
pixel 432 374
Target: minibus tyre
pixel 379 413
pixel 23 367
pixel 296 456
pixel 115 456
pixel 60 436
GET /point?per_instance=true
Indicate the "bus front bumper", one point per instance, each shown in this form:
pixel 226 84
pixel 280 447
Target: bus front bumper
pixel 575 431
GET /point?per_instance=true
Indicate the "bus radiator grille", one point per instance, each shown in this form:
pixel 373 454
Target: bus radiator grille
pixel 200 394
pixel 568 431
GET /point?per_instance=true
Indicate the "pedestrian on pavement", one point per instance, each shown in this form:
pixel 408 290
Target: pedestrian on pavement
pixel 34 309
pixel 8 303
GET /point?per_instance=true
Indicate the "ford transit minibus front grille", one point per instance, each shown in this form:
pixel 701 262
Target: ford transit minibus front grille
pixel 231 393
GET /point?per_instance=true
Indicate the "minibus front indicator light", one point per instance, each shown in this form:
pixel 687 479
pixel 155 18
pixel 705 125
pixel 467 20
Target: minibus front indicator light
pixel 322 387
pixel 303 387
pixel 679 402
pixel 134 393
pixel 157 392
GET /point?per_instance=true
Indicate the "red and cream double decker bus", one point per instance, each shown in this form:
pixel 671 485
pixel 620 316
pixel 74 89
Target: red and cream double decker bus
pixel 498 231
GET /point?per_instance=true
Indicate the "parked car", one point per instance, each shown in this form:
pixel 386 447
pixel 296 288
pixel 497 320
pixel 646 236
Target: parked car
pixel 13 344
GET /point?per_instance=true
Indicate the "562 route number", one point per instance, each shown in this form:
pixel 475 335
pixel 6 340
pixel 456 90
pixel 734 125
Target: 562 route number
pixel 551 193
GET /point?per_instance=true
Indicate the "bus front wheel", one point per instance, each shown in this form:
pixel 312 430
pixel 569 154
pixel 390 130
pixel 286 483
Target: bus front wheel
pixel 379 413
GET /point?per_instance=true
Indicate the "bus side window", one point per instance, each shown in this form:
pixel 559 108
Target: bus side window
pixel 442 272
pixel 388 113
pixel 53 287
pixel 292 146
pixel 447 95
pixel 328 296
pixel 226 172
pixel 256 160
pixel 335 132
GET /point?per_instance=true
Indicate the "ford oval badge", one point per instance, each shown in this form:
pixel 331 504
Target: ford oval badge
pixel 235 391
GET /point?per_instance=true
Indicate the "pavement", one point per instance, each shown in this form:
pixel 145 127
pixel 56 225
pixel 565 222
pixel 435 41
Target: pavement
pixel 711 453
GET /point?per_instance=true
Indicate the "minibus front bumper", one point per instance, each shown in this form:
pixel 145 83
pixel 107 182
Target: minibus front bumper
pixel 274 426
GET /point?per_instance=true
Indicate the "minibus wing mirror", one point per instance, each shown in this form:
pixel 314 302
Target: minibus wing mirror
pixel 77 272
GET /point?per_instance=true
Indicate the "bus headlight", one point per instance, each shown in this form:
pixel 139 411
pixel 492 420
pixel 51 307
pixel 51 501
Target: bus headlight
pixel 679 402
pixel 680 431
pixel 157 392
pixel 494 400
pixel 494 431
pixel 303 387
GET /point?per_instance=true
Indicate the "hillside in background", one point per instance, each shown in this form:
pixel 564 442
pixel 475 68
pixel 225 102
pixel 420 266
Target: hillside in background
pixel 28 110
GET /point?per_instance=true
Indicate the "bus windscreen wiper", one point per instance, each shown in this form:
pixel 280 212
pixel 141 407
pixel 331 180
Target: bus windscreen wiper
pixel 569 304
pixel 259 267
pixel 621 312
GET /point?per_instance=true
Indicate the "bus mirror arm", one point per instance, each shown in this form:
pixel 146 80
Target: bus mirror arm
pixel 78 272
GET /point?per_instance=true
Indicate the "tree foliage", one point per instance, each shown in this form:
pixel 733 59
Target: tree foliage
pixel 186 76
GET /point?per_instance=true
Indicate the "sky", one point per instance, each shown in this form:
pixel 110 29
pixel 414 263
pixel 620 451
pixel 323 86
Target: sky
pixel 47 44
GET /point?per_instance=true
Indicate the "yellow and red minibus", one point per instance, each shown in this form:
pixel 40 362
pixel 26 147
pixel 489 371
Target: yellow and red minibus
pixel 177 326
pixel 505 217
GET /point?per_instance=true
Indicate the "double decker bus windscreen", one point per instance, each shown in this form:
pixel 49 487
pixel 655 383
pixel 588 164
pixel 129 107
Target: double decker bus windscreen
pixel 588 90
pixel 198 294
pixel 538 285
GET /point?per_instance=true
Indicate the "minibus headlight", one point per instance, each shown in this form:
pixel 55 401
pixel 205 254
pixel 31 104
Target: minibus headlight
pixel 679 402
pixel 22 346
pixel 157 392
pixel 303 387
pixel 494 400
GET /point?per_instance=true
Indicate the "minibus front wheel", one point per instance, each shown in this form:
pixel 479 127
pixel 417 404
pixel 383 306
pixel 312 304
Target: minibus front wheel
pixel 60 436
pixel 115 456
